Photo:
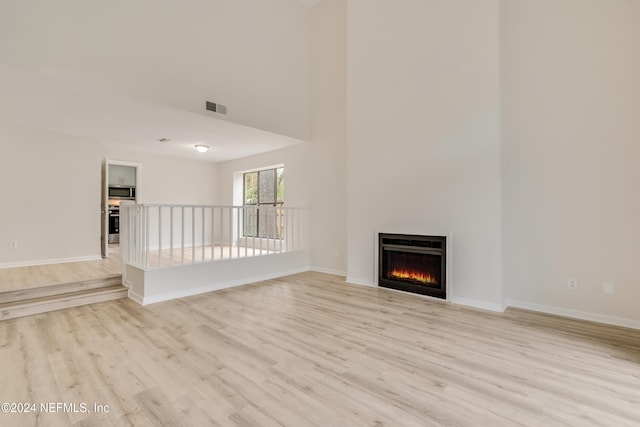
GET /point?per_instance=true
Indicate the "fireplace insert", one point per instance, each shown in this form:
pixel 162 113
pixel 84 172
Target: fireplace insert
pixel 413 263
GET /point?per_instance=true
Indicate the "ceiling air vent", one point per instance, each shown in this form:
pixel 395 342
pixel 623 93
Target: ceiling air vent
pixel 216 108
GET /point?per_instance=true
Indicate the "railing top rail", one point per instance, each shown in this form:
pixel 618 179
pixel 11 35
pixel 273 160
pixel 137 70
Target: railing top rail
pixel 166 205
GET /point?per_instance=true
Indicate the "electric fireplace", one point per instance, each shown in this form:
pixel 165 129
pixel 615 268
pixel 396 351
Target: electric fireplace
pixel 413 263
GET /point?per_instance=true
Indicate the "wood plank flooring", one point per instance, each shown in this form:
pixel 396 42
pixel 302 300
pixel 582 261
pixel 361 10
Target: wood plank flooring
pixel 310 350
pixel 17 278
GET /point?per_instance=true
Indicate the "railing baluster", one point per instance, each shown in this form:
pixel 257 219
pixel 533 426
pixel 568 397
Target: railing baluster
pixel 280 231
pixel 241 220
pixel 297 229
pixel 274 229
pixel 283 230
pixel 237 236
pixel 139 241
pixel 202 242
pixel 230 232
pixel 193 235
pixel 171 235
pixel 267 216
pixel 213 239
pixel 221 231
pixel 159 236
pixel 258 229
pixel 253 237
pixel 287 229
pixel 301 230
pixel 283 242
pixel 182 238
pixel 146 230
pixel 242 229
pixel 142 237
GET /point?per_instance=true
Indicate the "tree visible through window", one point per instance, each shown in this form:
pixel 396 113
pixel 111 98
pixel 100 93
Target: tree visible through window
pixel 263 201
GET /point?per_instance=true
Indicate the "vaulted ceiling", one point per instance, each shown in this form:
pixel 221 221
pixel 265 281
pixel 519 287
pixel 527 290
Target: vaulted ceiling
pixel 127 74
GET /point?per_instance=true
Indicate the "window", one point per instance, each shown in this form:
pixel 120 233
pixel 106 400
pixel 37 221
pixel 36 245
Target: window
pixel 263 198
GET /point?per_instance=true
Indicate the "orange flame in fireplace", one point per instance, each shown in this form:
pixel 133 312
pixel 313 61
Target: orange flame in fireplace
pixel 427 279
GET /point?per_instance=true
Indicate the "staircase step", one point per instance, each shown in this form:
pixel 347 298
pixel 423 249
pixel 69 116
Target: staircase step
pixel 60 301
pixel 31 293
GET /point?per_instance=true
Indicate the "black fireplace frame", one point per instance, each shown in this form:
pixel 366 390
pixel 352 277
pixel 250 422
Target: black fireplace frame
pixel 431 245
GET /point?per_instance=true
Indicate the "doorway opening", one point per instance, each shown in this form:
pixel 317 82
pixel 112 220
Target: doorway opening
pixel 120 181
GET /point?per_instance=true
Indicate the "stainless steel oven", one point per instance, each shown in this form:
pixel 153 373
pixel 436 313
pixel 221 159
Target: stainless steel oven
pixel 114 224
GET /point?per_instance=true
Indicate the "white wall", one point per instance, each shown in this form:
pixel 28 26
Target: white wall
pixel 315 173
pixel 51 188
pixel 173 180
pixel 328 147
pixel 571 151
pixel 423 132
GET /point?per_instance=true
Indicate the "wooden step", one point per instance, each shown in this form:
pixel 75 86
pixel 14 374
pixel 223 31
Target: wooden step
pixel 57 289
pixel 60 301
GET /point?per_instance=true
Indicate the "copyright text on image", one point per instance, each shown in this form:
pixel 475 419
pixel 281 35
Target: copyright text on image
pixel 53 408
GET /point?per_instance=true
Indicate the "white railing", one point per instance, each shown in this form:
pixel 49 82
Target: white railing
pixel 157 236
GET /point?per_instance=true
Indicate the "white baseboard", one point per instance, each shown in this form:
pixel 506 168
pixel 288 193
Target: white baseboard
pixel 558 311
pixel 484 305
pixel 134 296
pixel 500 308
pixel 329 271
pixel 50 261
pixel 575 314
pixel 210 288
pixel 359 281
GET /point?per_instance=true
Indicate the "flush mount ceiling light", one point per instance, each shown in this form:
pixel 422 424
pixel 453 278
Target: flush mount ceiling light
pixel 202 148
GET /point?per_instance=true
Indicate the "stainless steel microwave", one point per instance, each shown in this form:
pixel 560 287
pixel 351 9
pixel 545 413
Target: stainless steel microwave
pixel 122 193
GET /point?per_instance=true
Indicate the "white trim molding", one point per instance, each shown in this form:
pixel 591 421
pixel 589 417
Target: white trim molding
pixel 575 314
pixel 135 296
pixel 484 305
pixel 50 261
pixel 329 271
pixel 361 282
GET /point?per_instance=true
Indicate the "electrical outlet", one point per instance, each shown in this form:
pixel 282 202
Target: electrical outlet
pixel 572 284
pixel 607 288
pixel 13 244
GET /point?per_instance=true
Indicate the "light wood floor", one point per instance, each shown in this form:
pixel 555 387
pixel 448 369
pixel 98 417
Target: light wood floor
pixel 12 279
pixel 311 350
